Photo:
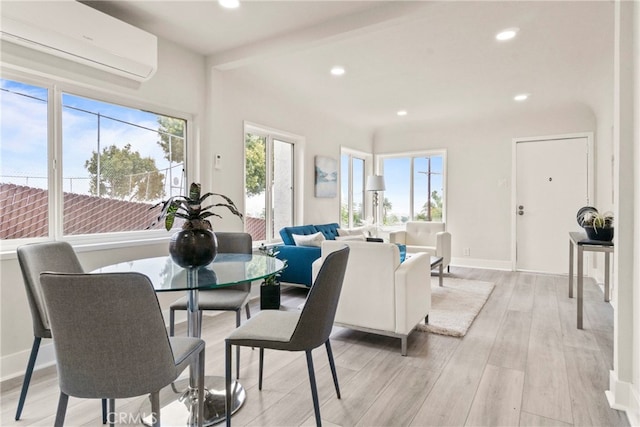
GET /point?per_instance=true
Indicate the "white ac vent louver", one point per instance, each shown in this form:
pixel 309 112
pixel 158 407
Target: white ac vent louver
pixel 79 33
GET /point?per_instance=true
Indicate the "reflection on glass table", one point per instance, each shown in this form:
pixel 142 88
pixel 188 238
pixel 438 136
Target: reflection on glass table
pixel 179 400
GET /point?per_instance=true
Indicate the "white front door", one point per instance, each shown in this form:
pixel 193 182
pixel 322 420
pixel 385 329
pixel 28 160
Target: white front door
pixel 552 183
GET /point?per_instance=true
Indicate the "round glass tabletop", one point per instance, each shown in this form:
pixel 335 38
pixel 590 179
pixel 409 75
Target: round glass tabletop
pixel 225 270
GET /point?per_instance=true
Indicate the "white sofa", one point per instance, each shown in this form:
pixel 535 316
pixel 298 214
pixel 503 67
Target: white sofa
pixel 424 236
pixel 380 294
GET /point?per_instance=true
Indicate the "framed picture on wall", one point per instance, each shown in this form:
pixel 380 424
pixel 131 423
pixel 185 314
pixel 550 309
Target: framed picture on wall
pixel 326 184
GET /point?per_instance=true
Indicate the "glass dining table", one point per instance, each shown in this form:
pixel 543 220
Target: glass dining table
pixel 178 401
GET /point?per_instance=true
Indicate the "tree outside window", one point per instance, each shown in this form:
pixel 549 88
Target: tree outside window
pixel 415 188
pixel 116 163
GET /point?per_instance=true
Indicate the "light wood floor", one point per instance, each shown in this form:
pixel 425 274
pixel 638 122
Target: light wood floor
pixel 523 362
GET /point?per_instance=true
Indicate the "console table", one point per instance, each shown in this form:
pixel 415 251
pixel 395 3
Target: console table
pixel 583 243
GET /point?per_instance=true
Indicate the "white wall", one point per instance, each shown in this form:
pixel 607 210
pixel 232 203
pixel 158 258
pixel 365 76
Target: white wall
pixel 219 103
pixel 624 379
pixel 635 337
pixel 479 153
pixel 234 100
pixel 178 85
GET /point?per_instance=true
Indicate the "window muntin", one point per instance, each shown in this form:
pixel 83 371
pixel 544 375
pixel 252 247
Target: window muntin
pixel 409 179
pixel 269 189
pixel 141 162
pixel 352 175
pixel 282 194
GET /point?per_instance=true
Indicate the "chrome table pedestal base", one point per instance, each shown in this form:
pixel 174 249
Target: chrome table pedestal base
pixel 178 403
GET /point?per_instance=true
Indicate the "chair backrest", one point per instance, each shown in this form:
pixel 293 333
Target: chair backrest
pixel 235 243
pixel 108 333
pixel 316 320
pixel 423 233
pixel 36 258
pixel 369 290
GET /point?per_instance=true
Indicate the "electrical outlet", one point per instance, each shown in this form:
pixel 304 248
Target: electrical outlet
pixel 466 251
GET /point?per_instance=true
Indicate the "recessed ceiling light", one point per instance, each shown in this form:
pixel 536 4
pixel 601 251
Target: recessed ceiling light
pixel 507 34
pixel 521 97
pixel 402 113
pixel 337 70
pixel 229 4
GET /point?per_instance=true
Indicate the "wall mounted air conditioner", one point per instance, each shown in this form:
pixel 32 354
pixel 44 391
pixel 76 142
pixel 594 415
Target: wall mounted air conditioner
pixel 82 34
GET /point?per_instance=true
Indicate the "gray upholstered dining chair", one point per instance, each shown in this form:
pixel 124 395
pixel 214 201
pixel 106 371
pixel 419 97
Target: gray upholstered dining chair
pixel 34 259
pixel 231 298
pixel 111 342
pixel 296 330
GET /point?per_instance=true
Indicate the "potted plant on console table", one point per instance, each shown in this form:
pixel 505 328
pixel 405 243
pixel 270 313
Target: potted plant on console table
pixel 598 226
pixel 270 287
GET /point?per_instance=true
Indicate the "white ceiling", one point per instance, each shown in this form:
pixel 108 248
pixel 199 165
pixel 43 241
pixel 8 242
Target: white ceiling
pixel 437 60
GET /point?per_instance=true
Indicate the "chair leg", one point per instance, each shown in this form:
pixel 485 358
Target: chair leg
pixel 155 408
pixel 248 311
pixel 105 411
pixel 314 389
pixel 227 383
pixel 27 375
pixel 172 321
pixel 237 347
pixel 260 366
pixel 62 410
pixel 112 410
pixel 403 345
pixel 333 367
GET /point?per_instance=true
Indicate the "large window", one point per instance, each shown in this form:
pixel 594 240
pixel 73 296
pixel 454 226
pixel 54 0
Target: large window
pixel 269 189
pixel 102 172
pixel 352 197
pixel 415 189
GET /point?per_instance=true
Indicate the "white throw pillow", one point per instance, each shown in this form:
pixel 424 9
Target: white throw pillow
pixel 358 237
pixel 309 239
pixel 357 231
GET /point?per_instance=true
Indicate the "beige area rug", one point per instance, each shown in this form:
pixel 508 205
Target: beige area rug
pixel 455 305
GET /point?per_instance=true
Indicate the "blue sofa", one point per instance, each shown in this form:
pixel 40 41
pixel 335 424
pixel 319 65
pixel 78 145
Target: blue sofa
pixel 300 258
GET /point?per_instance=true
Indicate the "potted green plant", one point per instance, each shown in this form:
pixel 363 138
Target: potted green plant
pixel 598 226
pixel 270 287
pixel 195 245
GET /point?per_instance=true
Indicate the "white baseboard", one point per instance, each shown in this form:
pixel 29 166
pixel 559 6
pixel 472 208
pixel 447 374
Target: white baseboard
pixel 14 365
pixel 489 264
pixel 622 396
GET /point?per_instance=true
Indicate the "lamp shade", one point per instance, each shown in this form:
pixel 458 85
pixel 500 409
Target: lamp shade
pixel 375 183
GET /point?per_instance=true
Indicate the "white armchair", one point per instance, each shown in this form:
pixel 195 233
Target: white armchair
pixel 424 236
pixel 380 294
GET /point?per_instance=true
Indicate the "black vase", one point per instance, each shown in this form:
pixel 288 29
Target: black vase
pixel 600 234
pixel 270 297
pixel 193 248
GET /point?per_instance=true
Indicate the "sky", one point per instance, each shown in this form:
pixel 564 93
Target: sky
pixel 396 172
pixel 23 147
pixel 23 135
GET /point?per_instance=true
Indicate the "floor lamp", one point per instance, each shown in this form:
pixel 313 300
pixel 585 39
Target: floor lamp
pixel 375 183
